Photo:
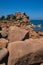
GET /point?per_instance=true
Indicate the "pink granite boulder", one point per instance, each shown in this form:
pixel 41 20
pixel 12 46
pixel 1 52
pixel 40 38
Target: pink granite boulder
pixel 26 52
pixel 16 34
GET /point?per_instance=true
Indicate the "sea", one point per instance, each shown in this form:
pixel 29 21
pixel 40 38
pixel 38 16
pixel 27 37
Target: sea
pixel 38 22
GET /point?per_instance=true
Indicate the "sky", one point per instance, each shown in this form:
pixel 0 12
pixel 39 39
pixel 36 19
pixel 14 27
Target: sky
pixel 33 8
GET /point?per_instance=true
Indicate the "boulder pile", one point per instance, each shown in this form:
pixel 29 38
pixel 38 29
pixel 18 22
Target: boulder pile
pixel 19 43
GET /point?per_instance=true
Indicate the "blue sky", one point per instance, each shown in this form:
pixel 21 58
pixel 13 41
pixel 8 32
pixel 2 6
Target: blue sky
pixel 33 8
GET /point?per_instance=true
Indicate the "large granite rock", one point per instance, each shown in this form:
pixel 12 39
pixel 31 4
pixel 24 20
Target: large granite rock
pixel 16 34
pixel 25 52
pixel 3 43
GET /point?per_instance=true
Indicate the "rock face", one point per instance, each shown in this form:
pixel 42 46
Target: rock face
pixel 16 34
pixel 3 43
pixel 25 52
pixel 19 50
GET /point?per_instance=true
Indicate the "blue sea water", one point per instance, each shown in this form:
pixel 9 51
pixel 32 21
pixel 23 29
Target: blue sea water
pixel 36 22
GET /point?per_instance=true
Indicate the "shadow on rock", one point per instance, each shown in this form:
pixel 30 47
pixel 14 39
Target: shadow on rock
pixel 5 59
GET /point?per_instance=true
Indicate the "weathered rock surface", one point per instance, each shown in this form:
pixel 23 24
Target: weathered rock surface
pixel 3 43
pixel 16 34
pixel 25 52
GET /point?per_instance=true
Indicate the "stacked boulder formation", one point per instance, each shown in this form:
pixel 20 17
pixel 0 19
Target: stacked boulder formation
pixel 19 43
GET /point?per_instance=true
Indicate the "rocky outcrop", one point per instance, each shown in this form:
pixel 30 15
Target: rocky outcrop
pixel 25 52
pixel 21 15
pixel 17 34
pixel 18 16
pixel 19 43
